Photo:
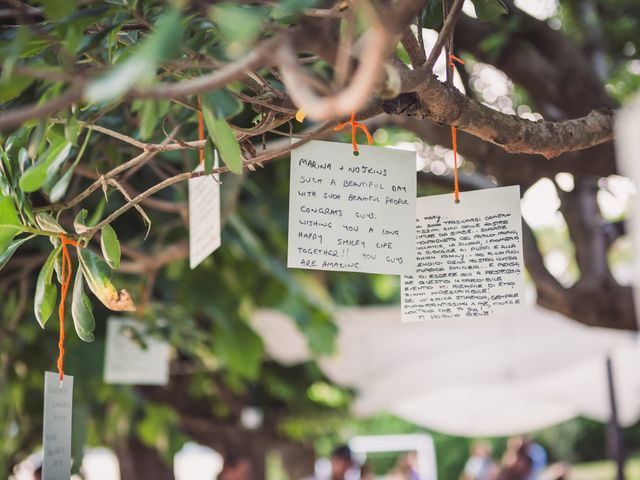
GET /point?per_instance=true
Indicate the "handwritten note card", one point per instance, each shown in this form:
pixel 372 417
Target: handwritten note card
pixel 469 257
pixel 56 427
pixel 129 362
pixel 204 216
pixel 351 213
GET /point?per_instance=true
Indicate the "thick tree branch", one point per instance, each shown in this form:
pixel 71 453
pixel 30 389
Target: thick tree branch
pixel 447 105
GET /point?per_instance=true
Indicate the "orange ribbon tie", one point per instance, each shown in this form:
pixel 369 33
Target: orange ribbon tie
pixel 354 129
pixel 454 139
pixel 64 287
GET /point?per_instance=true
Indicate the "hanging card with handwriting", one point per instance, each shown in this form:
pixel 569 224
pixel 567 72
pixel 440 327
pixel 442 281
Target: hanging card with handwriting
pixel 204 216
pixel 56 427
pixel 469 257
pixel 352 214
pixel 133 357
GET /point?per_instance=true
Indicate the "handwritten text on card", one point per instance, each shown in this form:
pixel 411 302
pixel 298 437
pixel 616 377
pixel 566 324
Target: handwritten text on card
pixel 350 213
pixel 469 257
pixel 56 427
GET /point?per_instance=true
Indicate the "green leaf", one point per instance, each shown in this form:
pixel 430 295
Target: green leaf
pixel 9 224
pixel 148 119
pixel 98 276
pixel 81 310
pixel 141 66
pixel 71 130
pixel 57 9
pixel 12 87
pixel 79 223
pixel 110 246
pixel 46 167
pixel 224 139
pixel 33 178
pixel 240 25
pixel 61 186
pixel 46 292
pixel 240 347
pixel 209 157
pixel 432 14
pixel 222 103
pixel 11 249
pixel 48 223
pixel 55 160
pixel 487 10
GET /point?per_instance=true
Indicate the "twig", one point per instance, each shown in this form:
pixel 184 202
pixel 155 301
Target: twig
pixel 106 131
pixel 259 160
pixel 16 117
pixel 444 34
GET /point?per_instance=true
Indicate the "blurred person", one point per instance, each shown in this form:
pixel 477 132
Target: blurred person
pixel 366 473
pixel 235 467
pixel 516 464
pixel 539 458
pixel 534 450
pixel 480 465
pixel 341 462
pixel 342 466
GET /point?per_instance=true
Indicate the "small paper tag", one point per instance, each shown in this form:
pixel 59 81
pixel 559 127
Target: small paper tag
pixel 56 427
pixel 129 362
pixel 352 214
pixel 469 257
pixel 204 216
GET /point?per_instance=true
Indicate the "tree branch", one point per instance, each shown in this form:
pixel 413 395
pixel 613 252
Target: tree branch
pixel 447 105
pixel 445 32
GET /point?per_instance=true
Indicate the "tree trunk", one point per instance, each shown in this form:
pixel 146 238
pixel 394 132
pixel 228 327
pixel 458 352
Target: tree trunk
pixel 137 461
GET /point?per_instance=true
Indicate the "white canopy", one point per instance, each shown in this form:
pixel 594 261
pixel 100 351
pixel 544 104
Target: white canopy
pixel 474 377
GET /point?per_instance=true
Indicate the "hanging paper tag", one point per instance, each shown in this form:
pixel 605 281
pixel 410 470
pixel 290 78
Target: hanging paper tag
pixel 132 357
pixel 628 160
pixel 469 257
pixel 204 216
pixel 354 214
pixel 56 427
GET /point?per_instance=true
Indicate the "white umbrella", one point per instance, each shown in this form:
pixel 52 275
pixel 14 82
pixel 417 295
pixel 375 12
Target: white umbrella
pixel 480 376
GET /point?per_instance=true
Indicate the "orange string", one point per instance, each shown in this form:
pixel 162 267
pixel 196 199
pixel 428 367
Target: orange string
pixel 200 131
pixel 454 139
pixel 354 130
pixel 64 287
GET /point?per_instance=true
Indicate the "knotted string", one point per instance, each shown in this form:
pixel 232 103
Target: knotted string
pixel 65 275
pixel 454 138
pixel 354 129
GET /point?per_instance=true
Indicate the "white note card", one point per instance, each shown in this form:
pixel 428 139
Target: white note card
pixel 469 257
pixel 352 214
pixel 56 427
pixel 627 127
pixel 204 216
pixel 128 362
